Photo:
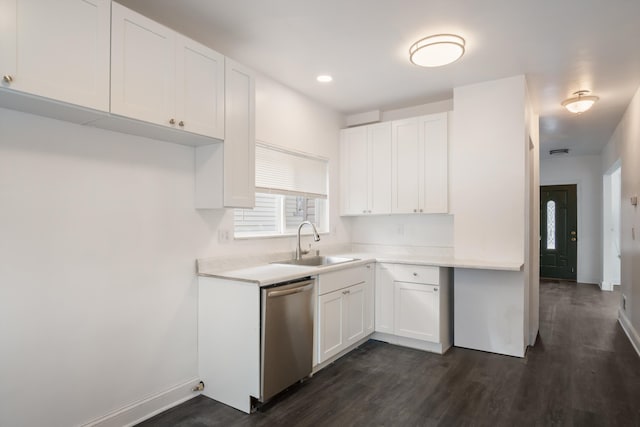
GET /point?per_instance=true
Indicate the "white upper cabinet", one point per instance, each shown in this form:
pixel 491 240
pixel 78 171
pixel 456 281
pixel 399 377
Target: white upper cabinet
pixel 420 165
pixel 161 77
pixel 405 166
pixel 434 181
pixel 379 175
pixel 57 49
pixel 365 154
pixel 240 137
pixel 199 88
pixel 353 170
pixel 142 68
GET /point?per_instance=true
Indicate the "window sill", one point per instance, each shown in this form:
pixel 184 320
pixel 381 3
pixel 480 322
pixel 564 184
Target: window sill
pixel 272 236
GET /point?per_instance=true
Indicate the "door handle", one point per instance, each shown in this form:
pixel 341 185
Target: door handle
pixel 573 239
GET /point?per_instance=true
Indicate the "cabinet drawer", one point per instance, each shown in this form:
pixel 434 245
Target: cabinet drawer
pixel 334 280
pixel 417 274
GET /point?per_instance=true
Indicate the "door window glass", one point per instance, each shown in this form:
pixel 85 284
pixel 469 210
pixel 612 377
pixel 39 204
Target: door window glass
pixel 551 224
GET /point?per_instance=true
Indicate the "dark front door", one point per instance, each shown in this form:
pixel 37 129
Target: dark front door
pixel 558 232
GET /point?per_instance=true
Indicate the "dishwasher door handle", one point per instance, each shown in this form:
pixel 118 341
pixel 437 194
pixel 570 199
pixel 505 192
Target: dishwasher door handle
pixel 303 288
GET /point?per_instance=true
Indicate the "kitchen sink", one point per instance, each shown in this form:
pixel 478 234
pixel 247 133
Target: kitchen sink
pixel 316 261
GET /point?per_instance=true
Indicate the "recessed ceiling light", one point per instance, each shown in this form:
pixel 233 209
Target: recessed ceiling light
pixel 579 103
pixel 324 78
pixel 437 50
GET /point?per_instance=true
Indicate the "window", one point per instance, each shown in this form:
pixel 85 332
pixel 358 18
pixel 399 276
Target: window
pixel 290 188
pixel 551 224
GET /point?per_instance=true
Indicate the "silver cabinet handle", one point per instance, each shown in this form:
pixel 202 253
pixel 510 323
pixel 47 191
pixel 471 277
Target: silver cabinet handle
pixel 8 78
pixel 346 292
pixel 172 121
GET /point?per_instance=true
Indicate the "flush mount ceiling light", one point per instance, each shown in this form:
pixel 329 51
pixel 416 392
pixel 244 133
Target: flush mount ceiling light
pixel 580 102
pixel 437 50
pixel 325 78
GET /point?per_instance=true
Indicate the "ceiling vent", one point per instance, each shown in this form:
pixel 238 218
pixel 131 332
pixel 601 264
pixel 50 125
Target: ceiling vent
pixel 559 151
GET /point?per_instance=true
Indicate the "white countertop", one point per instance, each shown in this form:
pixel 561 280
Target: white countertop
pixel 268 274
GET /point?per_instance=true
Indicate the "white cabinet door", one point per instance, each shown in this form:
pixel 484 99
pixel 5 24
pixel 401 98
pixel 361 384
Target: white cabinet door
pixel 434 155
pixel 369 299
pixel 57 49
pixel 240 140
pixel 416 311
pixel 405 166
pixel 384 298
pixel 331 329
pixel 199 88
pixel 354 307
pixel 142 68
pixel 379 173
pixel 353 171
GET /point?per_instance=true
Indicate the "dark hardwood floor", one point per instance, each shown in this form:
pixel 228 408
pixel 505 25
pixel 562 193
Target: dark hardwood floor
pixel 582 371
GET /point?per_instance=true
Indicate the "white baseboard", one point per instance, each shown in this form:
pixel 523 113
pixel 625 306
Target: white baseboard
pixel 606 286
pixel 629 330
pixel 148 407
pixel 432 347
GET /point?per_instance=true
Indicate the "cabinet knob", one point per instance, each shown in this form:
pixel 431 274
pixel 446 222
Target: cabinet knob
pixel 364 211
pixel 345 292
pixel 172 121
pixel 181 124
pixel 8 78
pixel 420 210
pixel 435 289
pixel 415 210
pixel 368 265
pixel 415 274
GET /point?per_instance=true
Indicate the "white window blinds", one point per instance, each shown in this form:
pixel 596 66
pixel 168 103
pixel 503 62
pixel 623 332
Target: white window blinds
pixel 284 172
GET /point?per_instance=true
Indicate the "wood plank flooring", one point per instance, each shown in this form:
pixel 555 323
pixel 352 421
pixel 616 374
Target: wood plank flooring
pixel 582 371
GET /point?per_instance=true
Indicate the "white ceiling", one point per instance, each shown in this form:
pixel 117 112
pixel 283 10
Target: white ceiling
pixel 560 45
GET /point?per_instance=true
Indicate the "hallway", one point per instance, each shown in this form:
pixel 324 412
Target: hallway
pixel 583 371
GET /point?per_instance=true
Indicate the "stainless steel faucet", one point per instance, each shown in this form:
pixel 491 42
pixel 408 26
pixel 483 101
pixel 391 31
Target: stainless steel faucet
pixel 316 238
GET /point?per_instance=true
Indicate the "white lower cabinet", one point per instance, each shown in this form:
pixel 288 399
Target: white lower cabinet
pixel 345 309
pixel 413 306
pixel 416 311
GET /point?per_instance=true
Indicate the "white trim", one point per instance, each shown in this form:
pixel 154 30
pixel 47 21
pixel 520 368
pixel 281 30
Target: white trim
pixel 606 286
pixel 628 329
pixel 146 408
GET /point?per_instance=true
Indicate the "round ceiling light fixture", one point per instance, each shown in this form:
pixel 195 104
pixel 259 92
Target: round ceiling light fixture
pixel 580 102
pixel 324 78
pixel 437 50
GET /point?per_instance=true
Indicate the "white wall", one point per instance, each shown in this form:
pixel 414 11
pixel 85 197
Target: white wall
pixel 487 158
pixel 413 231
pixel 288 119
pixel 98 295
pixel 624 145
pixel 585 171
pixel 611 204
pixel 98 241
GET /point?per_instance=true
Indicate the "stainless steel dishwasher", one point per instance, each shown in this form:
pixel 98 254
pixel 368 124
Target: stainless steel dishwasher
pixel 287 335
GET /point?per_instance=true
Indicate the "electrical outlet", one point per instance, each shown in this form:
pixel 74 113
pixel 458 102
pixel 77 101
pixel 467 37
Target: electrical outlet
pixel 223 235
